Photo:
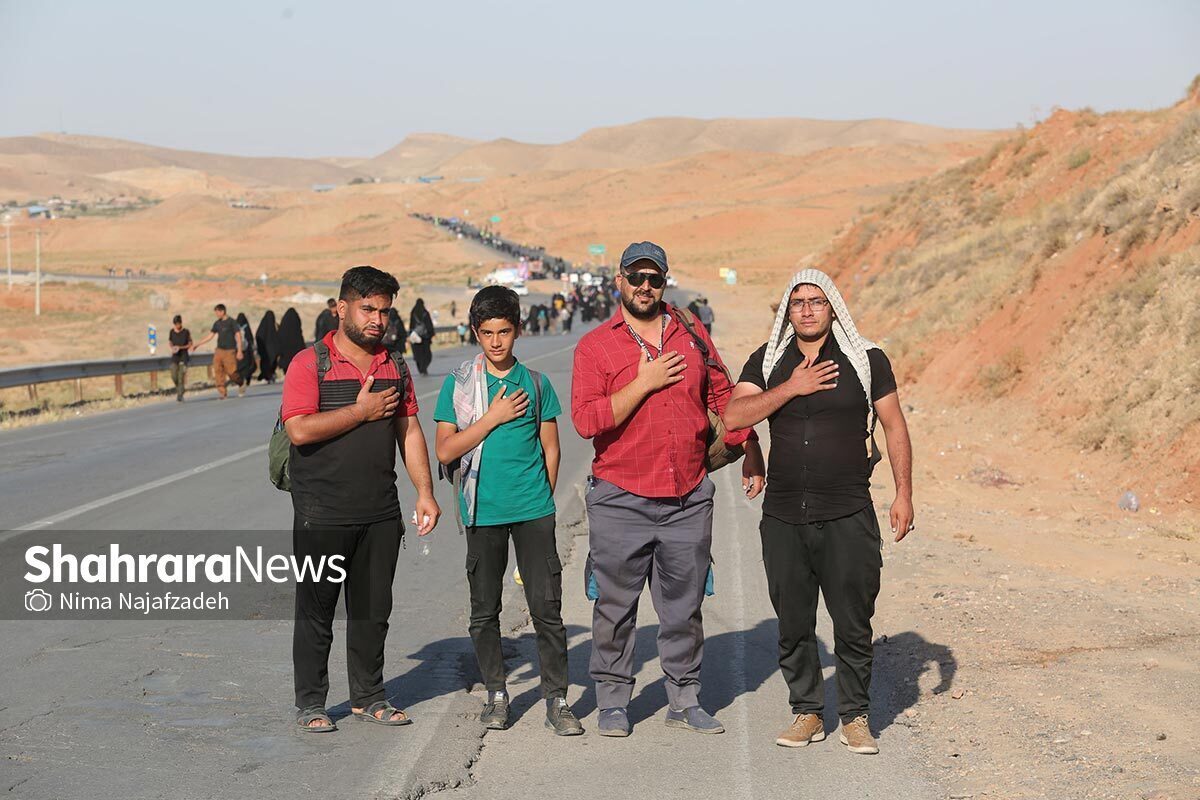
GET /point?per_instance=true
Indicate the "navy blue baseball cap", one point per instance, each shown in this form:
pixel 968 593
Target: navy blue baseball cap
pixel 644 251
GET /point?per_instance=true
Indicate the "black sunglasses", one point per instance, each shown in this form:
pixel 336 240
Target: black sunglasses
pixel 657 279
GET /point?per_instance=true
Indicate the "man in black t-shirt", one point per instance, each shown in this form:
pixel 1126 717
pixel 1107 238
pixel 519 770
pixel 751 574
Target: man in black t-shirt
pixel 181 343
pixel 327 320
pixel 822 386
pixel 229 344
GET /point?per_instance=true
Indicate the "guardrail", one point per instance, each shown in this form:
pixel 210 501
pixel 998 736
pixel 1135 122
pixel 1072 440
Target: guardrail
pixel 118 368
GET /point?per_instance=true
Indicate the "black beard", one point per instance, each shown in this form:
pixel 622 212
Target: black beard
pixel 644 316
pixel 357 336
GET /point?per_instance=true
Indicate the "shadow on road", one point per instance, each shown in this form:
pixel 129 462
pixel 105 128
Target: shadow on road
pixel 900 661
pixel 444 667
pixel 449 666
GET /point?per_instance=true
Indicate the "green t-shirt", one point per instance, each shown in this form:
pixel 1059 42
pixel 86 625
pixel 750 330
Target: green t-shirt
pixel 513 484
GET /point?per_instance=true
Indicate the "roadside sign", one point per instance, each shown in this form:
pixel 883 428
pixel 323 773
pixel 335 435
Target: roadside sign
pixel 723 272
pixel 152 338
pixel 731 277
pixel 596 249
pixel 494 218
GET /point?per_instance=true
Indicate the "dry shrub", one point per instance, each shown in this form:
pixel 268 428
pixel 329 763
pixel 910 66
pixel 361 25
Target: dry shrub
pixel 1078 158
pixel 1023 167
pixel 998 379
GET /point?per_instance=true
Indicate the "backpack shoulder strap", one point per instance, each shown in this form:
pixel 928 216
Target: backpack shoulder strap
pixel 537 398
pixel 323 361
pixel 401 370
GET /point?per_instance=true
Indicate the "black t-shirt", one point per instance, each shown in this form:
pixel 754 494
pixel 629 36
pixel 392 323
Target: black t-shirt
pixel 819 467
pixel 226 331
pixel 180 338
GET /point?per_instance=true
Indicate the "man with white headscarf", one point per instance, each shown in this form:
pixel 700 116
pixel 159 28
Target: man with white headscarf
pixel 822 386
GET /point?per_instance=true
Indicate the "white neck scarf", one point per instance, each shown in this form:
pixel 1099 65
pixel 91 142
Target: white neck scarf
pixel 847 336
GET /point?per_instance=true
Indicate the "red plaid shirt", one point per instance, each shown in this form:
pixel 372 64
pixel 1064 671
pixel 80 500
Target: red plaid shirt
pixel 659 451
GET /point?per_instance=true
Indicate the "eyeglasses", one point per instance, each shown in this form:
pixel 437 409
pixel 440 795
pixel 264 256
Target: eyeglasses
pixel 657 279
pixel 816 304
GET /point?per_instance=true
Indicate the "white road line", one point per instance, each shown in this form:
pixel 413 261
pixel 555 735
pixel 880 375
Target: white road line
pixel 71 513
pixel 128 493
pixel 735 501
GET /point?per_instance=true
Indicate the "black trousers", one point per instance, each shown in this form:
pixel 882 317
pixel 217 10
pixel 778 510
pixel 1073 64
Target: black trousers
pixel 841 559
pixel 541 572
pixel 369 558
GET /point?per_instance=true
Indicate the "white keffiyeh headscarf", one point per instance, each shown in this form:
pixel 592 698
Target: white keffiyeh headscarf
pixel 847 336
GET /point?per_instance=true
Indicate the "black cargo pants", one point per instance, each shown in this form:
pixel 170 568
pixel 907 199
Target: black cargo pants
pixel 541 572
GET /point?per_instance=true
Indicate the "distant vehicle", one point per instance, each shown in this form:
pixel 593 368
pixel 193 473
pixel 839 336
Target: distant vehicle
pixel 520 288
pixel 505 276
pixel 674 284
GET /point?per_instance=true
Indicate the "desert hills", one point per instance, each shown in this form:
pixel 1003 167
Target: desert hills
pixel 72 166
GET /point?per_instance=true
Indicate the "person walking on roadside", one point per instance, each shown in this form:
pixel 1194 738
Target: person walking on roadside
pixel 326 321
pixel 395 338
pixel 246 362
pixel 822 387
pixel 643 386
pixel 420 328
pixel 266 340
pixel 347 404
pixel 704 313
pixel 180 340
pixel 291 338
pixel 225 356
pixel 496 427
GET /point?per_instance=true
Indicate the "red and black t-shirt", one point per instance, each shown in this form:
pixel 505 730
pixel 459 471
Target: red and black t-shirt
pixel 349 479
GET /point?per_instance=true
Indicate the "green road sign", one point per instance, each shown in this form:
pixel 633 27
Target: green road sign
pixel 494 218
pixel 596 249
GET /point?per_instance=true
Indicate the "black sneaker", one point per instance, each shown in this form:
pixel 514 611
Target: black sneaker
pixel 560 718
pixel 495 711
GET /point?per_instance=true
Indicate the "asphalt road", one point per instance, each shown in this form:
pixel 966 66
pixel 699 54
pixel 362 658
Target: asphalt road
pixel 182 709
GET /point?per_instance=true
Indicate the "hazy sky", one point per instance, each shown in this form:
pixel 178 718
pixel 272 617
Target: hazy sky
pixel 353 78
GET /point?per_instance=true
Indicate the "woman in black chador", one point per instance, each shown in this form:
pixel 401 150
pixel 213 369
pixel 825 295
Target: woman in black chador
pixel 266 338
pixel 291 338
pixel 421 324
pixel 245 364
pixel 395 338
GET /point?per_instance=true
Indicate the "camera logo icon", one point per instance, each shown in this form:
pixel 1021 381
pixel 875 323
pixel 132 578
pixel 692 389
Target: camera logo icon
pixel 37 600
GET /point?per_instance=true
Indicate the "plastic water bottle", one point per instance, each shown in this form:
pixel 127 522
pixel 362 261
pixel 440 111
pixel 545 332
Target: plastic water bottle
pixel 425 549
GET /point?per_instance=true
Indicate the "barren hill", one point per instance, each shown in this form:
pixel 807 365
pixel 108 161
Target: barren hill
pixel 654 141
pixel 1058 271
pixel 67 165
pixel 417 155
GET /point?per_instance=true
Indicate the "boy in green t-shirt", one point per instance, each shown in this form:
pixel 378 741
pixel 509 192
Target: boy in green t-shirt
pixel 508 466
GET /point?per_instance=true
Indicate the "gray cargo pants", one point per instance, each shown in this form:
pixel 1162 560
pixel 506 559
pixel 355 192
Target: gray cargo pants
pixel 668 541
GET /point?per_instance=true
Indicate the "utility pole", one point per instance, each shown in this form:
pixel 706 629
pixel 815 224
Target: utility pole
pixel 37 280
pixel 8 246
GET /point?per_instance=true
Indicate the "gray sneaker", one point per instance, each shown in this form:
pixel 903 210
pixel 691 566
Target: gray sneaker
pixel 694 718
pixel 613 722
pixel 560 718
pixel 495 711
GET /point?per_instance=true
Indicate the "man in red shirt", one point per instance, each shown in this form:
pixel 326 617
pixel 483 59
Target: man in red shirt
pixel 347 404
pixel 641 391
